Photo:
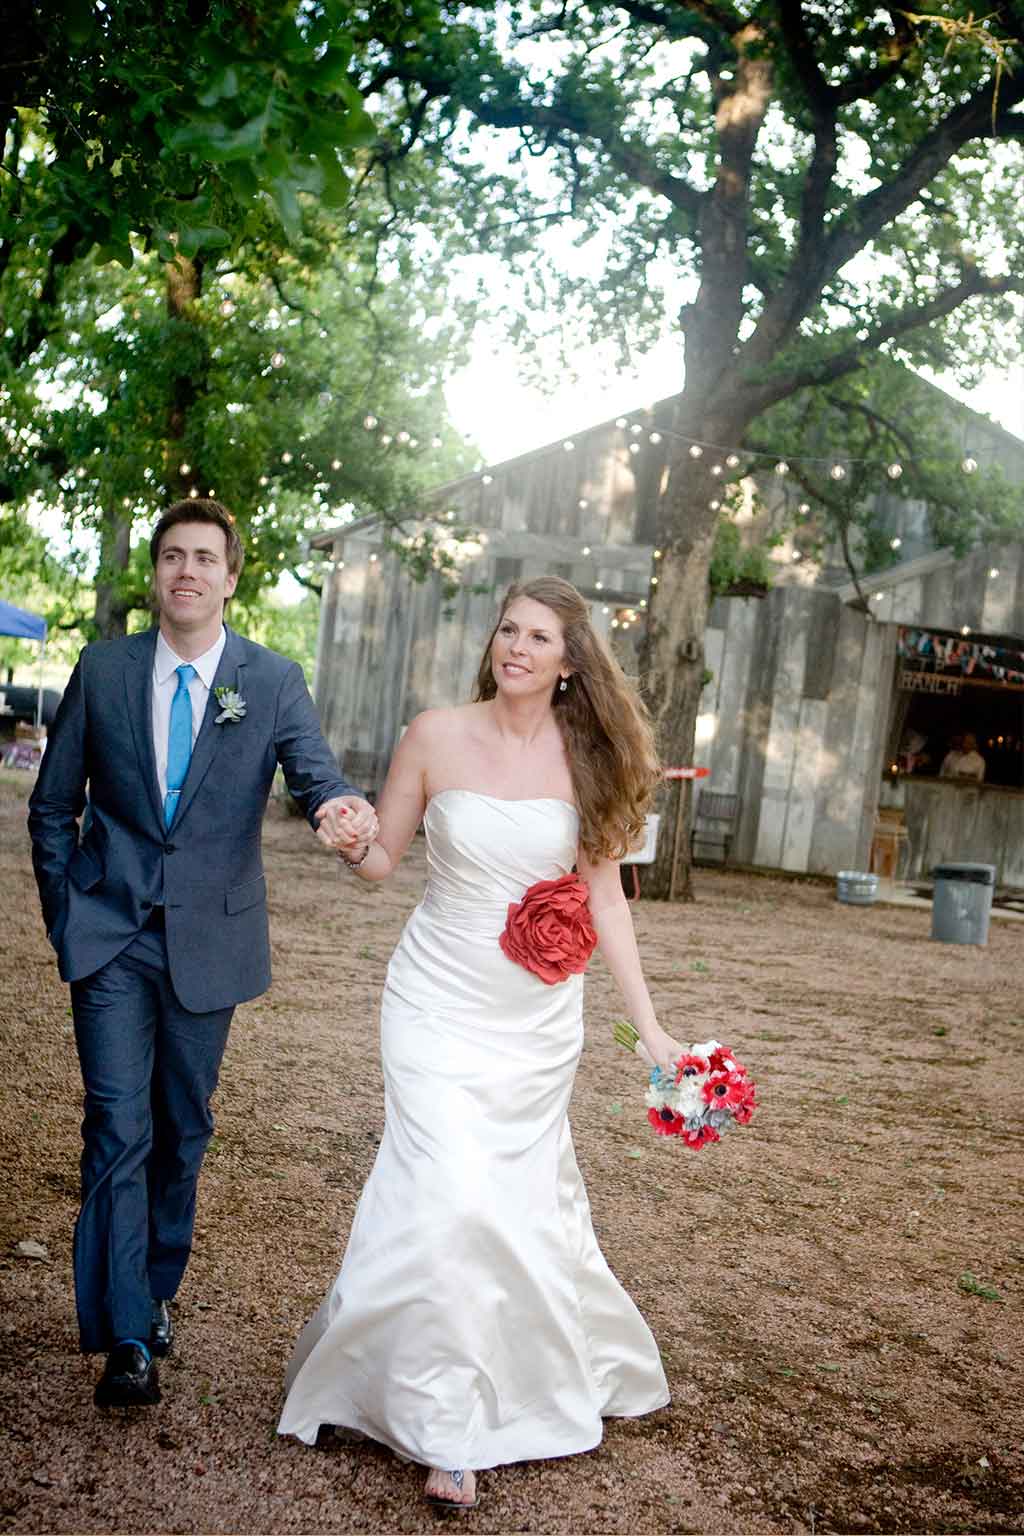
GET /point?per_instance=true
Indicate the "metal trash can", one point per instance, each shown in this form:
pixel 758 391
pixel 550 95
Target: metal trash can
pixel 962 902
pixel 856 888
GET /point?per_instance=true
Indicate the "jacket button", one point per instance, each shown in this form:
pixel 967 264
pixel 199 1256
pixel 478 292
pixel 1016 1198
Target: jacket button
pixel 168 847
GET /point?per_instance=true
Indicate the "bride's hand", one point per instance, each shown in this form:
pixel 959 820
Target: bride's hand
pixel 659 1049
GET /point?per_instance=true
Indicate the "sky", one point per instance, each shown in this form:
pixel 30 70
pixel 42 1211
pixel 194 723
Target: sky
pixel 488 401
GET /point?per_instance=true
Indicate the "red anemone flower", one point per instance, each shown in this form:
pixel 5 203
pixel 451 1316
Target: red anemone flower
pixel 665 1121
pixel 700 1137
pixel 725 1090
pixel 690 1065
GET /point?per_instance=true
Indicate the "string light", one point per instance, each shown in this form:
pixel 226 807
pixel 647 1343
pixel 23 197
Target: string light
pixel 782 468
pixel 636 429
pixel 227 309
pixel 879 596
pixel 568 445
pixel 184 469
pixel 264 480
pixel 696 451
pixel 586 549
pixel 657 554
pixel 894 471
pixel 277 360
pixel 965 629
pixel 838 472
pixel 804 508
pixel 654 581
pixel 732 459
pixel 401 437
pixel 369 422
pixel 486 479
pixel 193 493
pixel 994 572
pixel 583 503
pixel 386 439
pixel 634 447
pixel 620 422
pixel 335 463
pixel 968 465
pixel 655 437
pixel 715 506
pixel 286 457
pixel 598 586
pixel 895 543
pixel 716 469
pixel 435 442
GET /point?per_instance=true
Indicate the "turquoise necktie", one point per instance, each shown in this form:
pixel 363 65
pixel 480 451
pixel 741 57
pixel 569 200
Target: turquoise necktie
pixel 179 741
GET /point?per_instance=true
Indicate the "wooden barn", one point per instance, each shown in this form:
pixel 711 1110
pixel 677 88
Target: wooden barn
pixel 806 706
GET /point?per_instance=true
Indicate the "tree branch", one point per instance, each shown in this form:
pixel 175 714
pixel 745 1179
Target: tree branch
pixel 974 285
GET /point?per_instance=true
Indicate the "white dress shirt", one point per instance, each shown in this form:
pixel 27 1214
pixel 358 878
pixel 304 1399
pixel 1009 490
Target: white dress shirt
pixel 165 686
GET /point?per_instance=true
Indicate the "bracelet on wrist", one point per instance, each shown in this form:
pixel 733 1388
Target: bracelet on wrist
pixel 355 863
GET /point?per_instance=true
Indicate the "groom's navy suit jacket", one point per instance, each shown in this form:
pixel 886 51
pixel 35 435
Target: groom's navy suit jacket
pixel 98 889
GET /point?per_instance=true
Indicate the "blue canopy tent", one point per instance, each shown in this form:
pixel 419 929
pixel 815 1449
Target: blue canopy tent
pixel 23 625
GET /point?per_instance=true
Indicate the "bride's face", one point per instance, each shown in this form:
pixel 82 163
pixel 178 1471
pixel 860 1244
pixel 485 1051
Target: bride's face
pixel 528 650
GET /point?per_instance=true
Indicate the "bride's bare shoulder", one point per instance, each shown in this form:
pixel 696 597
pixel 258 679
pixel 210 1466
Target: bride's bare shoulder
pixel 445 725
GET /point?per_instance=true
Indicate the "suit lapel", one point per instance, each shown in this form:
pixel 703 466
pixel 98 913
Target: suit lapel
pixel 230 674
pixel 138 682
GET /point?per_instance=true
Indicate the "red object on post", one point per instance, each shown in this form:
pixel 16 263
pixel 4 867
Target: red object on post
pixel 687 773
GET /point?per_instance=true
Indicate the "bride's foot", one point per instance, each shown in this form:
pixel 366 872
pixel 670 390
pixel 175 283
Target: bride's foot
pixel 451 1490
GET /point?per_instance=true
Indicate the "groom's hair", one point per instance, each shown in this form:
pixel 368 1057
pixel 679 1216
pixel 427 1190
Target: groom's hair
pixel 201 509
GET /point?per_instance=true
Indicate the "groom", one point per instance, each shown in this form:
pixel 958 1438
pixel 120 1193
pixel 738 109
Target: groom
pixel 157 911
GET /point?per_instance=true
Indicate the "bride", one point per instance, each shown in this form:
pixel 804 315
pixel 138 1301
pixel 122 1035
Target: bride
pixel 475 1321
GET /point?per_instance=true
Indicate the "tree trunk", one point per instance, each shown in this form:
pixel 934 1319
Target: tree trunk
pixel 113 603
pixel 184 287
pixel 673 654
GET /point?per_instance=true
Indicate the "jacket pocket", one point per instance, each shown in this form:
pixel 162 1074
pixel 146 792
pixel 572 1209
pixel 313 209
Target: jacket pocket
pixel 248 895
pixel 83 870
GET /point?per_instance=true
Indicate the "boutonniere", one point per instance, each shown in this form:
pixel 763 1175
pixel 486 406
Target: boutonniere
pixel 232 706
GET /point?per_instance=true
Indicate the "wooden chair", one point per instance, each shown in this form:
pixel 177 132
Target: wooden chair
pixel 714 821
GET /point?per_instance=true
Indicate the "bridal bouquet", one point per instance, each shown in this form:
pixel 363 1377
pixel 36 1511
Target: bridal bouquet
pixel 707 1091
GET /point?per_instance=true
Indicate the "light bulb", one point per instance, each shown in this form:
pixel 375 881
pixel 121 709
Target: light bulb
pixel 654 581
pixel 782 468
pixel 403 437
pixel 286 457
pixel 657 554
pixel 568 445
pixel 184 469
pixel 583 503
pixel 715 506
pixel 732 459
pixel 838 472
pixel 264 480
pixel 716 469
pixel 277 360
pixel 386 439
pixel 895 543
pixel 586 549
pixel 965 629
pixel 968 465
pixel 620 422
pixel 994 572
pixel 369 422
pixel 435 442
pixel 227 309
pixel 696 451
pixel 804 508
pixel 598 586
pixel 655 437
pixel 894 471
pixel 634 447
pixel 335 463
pixel 487 479
pixel 636 429
pixel 879 596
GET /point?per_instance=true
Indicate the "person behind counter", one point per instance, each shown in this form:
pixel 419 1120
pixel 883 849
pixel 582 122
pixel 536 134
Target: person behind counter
pixel 963 761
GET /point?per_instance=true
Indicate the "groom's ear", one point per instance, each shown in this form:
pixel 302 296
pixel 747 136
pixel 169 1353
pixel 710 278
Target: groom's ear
pixel 231 582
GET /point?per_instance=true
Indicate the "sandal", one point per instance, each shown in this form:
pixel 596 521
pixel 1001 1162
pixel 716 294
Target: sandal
pixel 439 1501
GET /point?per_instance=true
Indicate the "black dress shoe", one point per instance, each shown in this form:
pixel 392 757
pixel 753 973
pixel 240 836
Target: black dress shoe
pixel 161 1333
pixel 129 1379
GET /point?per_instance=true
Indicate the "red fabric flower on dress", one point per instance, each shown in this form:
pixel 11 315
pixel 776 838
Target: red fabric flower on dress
pixel 665 1122
pixel 701 1136
pixel 549 932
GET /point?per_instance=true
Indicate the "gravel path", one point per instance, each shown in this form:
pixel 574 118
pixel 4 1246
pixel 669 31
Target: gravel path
pixel 836 1290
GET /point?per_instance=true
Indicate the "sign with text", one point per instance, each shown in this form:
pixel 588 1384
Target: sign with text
pixel 687 773
pixel 928 682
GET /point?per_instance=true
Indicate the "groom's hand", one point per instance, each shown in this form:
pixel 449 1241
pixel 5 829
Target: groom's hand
pixel 346 822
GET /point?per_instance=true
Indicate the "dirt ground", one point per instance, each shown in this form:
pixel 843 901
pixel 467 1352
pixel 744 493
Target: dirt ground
pixel 836 1289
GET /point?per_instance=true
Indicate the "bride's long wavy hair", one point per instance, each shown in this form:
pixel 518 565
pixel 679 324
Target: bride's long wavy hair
pixel 608 737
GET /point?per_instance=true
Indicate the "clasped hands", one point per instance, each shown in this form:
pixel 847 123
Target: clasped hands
pixel 347 825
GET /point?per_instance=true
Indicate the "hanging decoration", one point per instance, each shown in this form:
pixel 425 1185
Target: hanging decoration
pixel 935 653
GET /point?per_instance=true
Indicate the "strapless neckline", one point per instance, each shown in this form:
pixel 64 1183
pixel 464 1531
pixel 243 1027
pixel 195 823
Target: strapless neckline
pixel 479 794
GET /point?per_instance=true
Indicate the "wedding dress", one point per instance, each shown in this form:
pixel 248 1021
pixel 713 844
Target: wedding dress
pixel 475 1321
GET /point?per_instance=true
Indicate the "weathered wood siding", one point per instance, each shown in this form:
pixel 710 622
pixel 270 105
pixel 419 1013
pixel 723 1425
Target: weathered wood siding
pixel 948 822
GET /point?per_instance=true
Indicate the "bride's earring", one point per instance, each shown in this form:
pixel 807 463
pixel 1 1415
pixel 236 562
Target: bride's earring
pixel 563 685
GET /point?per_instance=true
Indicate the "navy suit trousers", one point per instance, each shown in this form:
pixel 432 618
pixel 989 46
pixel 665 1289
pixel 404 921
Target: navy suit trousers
pixel 149 1068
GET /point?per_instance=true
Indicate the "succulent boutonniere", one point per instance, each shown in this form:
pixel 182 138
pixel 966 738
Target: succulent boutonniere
pixel 232 706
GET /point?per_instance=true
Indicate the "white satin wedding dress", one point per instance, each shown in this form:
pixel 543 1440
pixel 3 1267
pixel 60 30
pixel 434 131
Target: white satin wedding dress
pixel 475 1321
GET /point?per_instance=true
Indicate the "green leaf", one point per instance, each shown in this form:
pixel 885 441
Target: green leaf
pixel 223 87
pixel 287 204
pixel 193 238
pixel 79 18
